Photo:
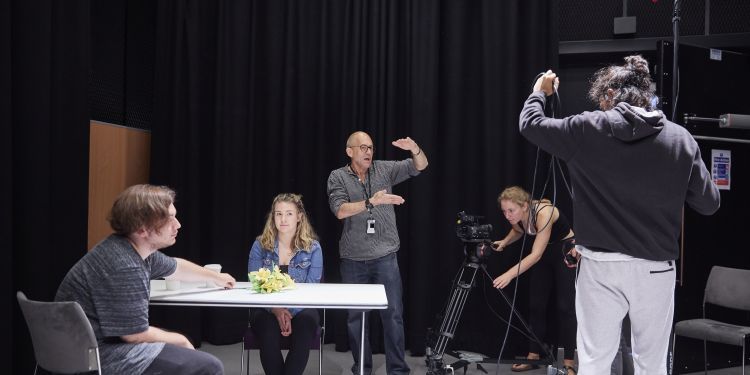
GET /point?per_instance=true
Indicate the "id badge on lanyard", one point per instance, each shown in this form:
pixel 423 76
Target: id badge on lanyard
pixel 371 225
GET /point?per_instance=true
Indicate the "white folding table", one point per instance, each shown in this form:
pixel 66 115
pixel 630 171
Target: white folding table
pixel 363 297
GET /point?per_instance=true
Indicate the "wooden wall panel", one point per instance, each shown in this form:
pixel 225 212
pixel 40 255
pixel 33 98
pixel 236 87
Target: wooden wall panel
pixel 119 157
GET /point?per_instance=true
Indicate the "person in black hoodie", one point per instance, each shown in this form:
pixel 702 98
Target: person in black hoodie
pixel 632 171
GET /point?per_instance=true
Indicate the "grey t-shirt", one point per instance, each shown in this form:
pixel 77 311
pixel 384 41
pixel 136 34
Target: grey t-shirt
pixel 112 285
pixel 344 187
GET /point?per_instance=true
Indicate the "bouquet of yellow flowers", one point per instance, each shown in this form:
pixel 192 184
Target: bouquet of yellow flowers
pixel 265 281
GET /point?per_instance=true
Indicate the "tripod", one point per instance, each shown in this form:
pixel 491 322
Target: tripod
pixel 437 342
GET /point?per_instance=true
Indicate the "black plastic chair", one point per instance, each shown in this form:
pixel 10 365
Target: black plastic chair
pixel 61 334
pixel 250 342
pixel 726 287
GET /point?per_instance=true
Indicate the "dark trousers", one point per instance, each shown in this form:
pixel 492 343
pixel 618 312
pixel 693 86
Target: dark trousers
pixel 178 360
pixel 552 280
pixel 265 326
pixel 384 271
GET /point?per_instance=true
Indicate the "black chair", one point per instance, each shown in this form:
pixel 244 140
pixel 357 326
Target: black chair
pixel 250 342
pixel 726 287
pixel 62 336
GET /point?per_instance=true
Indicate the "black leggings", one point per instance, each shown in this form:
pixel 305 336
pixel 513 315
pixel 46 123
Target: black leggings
pixel 266 328
pixel 551 278
pixel 178 360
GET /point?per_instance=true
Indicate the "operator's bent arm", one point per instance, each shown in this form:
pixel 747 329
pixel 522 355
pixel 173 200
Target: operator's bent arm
pixel 537 249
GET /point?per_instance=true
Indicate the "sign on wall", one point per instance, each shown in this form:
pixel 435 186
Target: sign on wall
pixel 721 162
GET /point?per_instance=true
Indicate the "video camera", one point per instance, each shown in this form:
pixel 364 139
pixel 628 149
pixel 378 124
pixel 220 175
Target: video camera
pixel 468 228
pixel 469 231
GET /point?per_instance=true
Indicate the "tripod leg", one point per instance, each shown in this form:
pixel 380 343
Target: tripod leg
pixel 548 354
pixel 452 313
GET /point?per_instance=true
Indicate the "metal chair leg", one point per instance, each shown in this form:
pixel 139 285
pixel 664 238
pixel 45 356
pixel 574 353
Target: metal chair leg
pixel 247 357
pixel 242 358
pixel 705 358
pixel 320 358
pixel 674 343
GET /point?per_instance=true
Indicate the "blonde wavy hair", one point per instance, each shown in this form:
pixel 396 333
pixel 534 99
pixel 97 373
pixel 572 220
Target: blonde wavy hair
pixel 303 236
pixel 519 196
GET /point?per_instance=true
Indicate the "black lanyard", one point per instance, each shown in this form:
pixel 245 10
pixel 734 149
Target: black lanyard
pixel 369 182
pixel 369 185
pixel 365 188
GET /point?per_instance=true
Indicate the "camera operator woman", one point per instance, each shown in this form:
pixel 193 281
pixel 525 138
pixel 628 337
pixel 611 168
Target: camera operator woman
pixel 551 274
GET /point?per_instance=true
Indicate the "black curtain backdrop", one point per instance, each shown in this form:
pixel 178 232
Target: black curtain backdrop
pixel 257 98
pixel 45 121
pixel 6 166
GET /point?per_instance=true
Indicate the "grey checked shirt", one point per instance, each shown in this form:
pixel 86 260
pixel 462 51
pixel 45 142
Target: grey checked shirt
pixel 344 187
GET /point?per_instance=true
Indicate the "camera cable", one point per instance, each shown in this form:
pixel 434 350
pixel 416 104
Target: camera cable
pixel 554 105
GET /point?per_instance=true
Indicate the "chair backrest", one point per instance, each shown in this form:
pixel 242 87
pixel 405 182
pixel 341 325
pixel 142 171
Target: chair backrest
pixel 728 287
pixel 61 335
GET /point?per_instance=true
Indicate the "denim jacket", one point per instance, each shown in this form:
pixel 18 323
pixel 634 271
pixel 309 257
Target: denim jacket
pixel 304 267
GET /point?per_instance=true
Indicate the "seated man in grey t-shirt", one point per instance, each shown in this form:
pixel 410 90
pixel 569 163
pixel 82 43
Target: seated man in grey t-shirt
pixel 112 285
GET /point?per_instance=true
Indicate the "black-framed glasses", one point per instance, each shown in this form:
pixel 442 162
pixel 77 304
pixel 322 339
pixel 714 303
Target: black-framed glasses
pixel 364 148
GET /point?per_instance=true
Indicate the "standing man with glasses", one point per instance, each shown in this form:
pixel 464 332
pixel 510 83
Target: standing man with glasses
pixel 360 194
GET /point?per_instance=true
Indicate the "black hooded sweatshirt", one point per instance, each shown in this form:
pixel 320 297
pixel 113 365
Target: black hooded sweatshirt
pixel 631 170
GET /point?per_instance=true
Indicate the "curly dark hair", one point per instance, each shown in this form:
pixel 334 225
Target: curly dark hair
pixel 631 83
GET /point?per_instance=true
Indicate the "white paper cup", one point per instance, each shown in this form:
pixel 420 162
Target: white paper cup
pixel 213 267
pixel 173 284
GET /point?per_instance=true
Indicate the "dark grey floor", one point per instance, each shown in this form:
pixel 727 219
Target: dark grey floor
pixel 339 363
pixel 334 363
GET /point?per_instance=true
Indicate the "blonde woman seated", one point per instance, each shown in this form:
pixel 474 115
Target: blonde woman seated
pixel 550 276
pixel 288 241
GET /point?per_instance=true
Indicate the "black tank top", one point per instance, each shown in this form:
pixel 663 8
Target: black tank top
pixel 560 228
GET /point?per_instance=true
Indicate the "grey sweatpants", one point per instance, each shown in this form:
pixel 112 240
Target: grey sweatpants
pixel 605 292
